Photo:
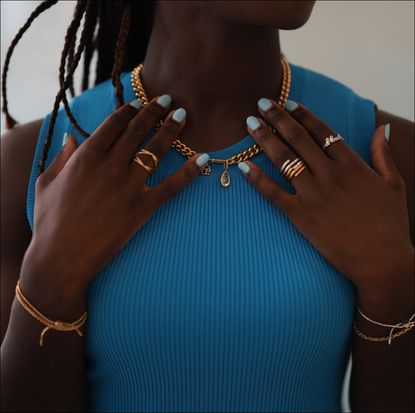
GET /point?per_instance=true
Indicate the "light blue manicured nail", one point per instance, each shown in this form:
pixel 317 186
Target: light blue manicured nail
pixel 243 167
pixel 290 105
pixel 179 115
pixel 65 138
pixel 136 103
pixel 264 104
pixel 164 100
pixel 252 123
pixel 387 131
pixel 202 159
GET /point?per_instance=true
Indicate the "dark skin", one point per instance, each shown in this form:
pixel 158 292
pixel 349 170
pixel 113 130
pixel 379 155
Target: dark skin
pixel 235 38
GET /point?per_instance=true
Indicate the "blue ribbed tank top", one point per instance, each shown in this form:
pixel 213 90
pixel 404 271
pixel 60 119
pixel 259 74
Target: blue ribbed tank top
pixel 218 303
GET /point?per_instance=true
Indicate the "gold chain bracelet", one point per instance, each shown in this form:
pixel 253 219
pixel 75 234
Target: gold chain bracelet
pixel 359 333
pixel 56 325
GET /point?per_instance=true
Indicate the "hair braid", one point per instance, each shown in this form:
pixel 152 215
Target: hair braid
pixel 120 53
pixel 10 122
pixel 90 44
pixel 124 28
pixel 65 82
pixel 73 27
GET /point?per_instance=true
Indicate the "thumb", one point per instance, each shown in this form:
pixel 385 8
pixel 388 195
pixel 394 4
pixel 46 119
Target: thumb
pixel 62 157
pixel 382 159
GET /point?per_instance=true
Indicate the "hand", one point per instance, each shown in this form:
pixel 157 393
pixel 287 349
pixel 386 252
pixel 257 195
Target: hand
pixel 355 216
pixel 93 198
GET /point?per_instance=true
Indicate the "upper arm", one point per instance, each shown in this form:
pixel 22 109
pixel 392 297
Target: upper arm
pixel 17 152
pixel 401 142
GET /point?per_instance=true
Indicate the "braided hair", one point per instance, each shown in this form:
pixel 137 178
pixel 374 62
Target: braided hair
pixel 118 30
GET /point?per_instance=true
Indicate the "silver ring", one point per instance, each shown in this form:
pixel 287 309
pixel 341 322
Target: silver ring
pixel 331 139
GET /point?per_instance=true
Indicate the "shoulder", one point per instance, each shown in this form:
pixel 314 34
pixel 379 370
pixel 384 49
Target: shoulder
pixel 17 150
pixel 402 145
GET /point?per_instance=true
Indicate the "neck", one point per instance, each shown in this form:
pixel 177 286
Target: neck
pixel 216 69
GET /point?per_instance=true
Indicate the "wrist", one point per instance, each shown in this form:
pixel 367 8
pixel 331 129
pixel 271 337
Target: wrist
pixel 51 292
pixel 389 303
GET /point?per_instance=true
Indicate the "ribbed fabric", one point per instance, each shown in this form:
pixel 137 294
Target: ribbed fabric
pixel 218 303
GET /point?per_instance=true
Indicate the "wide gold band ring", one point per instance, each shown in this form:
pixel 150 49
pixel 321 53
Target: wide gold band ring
pixel 293 168
pixel 139 161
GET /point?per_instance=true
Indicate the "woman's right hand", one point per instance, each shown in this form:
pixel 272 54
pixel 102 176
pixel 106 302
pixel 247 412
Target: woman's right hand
pixel 93 198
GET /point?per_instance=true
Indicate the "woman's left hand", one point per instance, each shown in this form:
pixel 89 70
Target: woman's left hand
pixel 355 216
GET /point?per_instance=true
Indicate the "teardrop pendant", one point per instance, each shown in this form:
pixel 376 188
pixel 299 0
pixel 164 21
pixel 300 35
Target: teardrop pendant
pixel 225 178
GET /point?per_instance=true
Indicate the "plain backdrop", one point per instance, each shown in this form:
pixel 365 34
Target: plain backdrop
pixel 367 45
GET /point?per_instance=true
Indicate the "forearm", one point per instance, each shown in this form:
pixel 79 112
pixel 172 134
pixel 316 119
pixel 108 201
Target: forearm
pixel 48 378
pixel 382 378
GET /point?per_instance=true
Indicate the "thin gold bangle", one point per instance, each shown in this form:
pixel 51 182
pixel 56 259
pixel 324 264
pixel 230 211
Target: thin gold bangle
pixel 50 324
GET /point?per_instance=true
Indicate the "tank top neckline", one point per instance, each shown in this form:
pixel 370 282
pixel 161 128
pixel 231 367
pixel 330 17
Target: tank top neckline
pixel 246 141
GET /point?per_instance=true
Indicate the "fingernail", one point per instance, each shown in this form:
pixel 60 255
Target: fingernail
pixel 179 115
pixel 387 131
pixel 243 167
pixel 164 100
pixel 136 103
pixel 290 105
pixel 202 159
pixel 264 104
pixel 65 139
pixel 252 123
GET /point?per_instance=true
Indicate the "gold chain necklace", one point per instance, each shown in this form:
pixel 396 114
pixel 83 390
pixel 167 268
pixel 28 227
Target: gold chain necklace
pixel 225 178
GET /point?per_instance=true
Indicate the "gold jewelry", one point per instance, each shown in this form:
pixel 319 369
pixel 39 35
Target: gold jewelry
pixel 289 169
pixel 387 338
pixel 56 325
pixel 225 178
pixel 139 161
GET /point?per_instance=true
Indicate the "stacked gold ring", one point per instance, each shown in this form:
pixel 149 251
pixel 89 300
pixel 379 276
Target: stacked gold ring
pixel 139 161
pixel 289 169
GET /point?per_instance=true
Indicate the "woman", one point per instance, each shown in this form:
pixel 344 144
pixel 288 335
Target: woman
pixel 206 289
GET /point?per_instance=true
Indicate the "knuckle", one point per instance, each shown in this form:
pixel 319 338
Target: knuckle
pixel 154 110
pixel 274 197
pixel 136 128
pixel 275 115
pixel 264 134
pixel 300 113
pixel 295 135
pixel 118 118
pixel 168 189
pixel 189 172
pixel 171 127
pixel 256 177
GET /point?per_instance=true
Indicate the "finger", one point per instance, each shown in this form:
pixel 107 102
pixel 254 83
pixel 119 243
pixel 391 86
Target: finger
pixel 273 192
pixel 277 151
pixel 159 145
pixel 382 160
pixel 318 130
pixel 61 158
pixel 293 133
pixel 138 128
pixel 109 130
pixel 177 181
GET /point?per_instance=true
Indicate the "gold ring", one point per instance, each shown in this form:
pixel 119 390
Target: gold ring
pixel 139 161
pixel 292 168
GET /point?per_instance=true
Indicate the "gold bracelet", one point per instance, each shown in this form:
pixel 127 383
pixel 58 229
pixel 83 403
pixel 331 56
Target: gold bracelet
pixel 359 333
pixel 56 325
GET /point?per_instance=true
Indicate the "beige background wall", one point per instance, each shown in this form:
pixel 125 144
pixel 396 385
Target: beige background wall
pixel 368 45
